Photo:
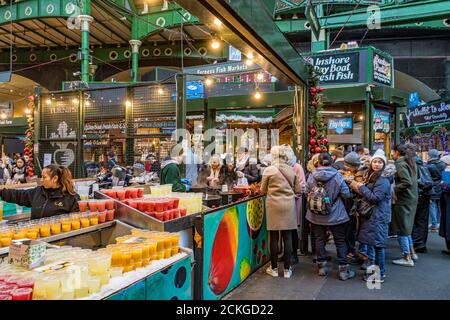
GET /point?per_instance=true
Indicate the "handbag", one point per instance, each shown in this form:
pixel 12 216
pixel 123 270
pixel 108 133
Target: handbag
pixel 363 208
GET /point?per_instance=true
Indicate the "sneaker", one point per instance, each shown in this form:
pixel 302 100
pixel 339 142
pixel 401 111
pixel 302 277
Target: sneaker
pixel 434 230
pixel 404 262
pixel 287 273
pixel 415 257
pixel 393 236
pixel 272 272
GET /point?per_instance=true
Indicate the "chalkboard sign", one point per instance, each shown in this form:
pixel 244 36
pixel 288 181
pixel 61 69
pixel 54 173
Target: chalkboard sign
pixel 434 113
pixel 382 69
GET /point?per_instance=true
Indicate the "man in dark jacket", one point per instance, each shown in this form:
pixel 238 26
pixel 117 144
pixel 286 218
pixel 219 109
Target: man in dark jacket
pixel 420 227
pixel 436 167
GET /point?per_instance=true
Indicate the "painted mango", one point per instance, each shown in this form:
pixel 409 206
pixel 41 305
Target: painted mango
pixel 224 251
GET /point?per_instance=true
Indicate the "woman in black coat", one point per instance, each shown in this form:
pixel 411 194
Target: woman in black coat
pixel 56 195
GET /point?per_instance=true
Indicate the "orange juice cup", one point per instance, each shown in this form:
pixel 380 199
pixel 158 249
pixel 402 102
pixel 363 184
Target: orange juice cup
pixel 145 250
pixel 55 227
pixel 175 237
pixel 66 226
pixel 127 269
pixel 102 217
pixel 126 257
pixel 32 234
pixel 44 230
pixel 84 220
pixel 167 242
pixel 153 257
pixel 136 253
pixel 167 253
pixel 160 254
pixel 82 205
pixel 174 250
pixel 20 234
pixel 109 204
pixel 93 218
pixel 75 221
pixel 152 245
pixel 116 258
pixel 5 241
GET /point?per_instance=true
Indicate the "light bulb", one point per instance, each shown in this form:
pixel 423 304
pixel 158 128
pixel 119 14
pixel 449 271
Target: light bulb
pixel 215 44
pixel 160 91
pixel 27 111
pixel 48 102
pixel 260 76
pixel 217 22
pixel 3 116
pixel 249 62
pixel 128 103
pixel 257 95
pixel 208 82
pixel 87 104
pixel 75 101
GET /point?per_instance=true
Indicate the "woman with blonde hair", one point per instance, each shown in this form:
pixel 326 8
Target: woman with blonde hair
pixel 280 184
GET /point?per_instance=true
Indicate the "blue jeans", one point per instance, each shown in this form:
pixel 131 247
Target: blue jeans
pixel 367 250
pixel 435 213
pixel 380 259
pixel 405 243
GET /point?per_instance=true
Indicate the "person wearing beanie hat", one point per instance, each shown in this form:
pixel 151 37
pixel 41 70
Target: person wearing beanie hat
pixel 338 158
pixel 373 228
pixel 436 167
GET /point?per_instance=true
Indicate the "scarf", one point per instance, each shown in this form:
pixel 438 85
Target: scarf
pixel 240 164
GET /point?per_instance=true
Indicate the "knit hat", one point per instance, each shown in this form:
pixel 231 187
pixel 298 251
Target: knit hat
pixel 352 159
pixel 380 155
pixel 433 154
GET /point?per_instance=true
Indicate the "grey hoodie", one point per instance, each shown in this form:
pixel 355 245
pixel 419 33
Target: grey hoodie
pixel 337 190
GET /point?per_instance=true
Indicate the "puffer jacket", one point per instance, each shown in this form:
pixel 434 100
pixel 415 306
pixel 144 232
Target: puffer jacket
pixel 374 231
pixel 436 167
pixel 336 189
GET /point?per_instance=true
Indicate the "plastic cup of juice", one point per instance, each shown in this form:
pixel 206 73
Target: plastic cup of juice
pixel 5 296
pixel 92 206
pixel 83 205
pixel 81 292
pixel 68 295
pixel 166 215
pixel 175 239
pixel 55 227
pixel 116 271
pixel 19 234
pixel 176 202
pixel 101 206
pixel 126 257
pixel 84 220
pixel 93 218
pixel 109 204
pixel 152 246
pixel 121 194
pixel 102 217
pixel 32 234
pixel 175 250
pixel 160 255
pixel 76 223
pixel 25 283
pixel 183 212
pixel 159 206
pixel 5 241
pixel 44 230
pixel 149 205
pixel 21 294
pixel 136 253
pixel 39 290
pixel 140 192
pixel 133 193
pixel 141 205
pixel 94 284
pixel 116 257
pixel 110 215
pixel 52 287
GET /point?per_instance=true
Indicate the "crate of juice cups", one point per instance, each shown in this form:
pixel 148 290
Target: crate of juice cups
pixel 124 193
pixel 68 273
pixel 46 227
pixel 161 208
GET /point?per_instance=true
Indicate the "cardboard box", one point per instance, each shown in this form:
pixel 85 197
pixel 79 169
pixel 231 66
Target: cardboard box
pixel 27 253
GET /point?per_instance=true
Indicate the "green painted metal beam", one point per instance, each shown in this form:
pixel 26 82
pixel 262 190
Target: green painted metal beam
pixel 36 9
pixel 394 14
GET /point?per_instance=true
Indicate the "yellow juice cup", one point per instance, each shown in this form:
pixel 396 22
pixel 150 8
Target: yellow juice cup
pixel 94 284
pixel 81 292
pixel 137 264
pixel 174 250
pixel 154 257
pixel 31 234
pixel 175 239
pixel 85 222
pixel 5 241
pixel 19 235
pixel 126 257
pixel 93 221
pixel 167 253
pixel 136 253
pixel 127 269
pixel 145 251
pixel 152 247
pixel 66 226
pixel 52 288
pixel 76 225
pixel 116 258
pixel 55 228
pixel 145 262
pixel 160 255
pixel 167 242
pixel 160 243
pixel 44 231
pixel 39 292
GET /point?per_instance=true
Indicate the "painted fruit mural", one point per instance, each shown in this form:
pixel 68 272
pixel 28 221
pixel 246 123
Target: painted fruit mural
pixel 244 269
pixel 224 251
pixel 255 216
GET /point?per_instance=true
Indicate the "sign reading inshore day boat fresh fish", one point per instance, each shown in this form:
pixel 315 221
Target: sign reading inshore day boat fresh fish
pixel 434 113
pixel 338 67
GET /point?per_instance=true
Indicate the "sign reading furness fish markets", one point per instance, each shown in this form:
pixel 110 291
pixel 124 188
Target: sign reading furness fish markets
pixel 222 68
pixel 434 113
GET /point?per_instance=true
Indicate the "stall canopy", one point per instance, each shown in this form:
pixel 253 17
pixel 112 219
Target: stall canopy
pixel 407 83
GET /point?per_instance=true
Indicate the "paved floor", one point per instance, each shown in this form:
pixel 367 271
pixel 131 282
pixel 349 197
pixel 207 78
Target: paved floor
pixel 429 279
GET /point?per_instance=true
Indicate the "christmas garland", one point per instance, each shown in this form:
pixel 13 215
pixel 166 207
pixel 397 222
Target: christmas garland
pixel 29 139
pixel 317 129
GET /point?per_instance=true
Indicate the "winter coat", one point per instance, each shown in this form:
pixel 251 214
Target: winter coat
pixel 406 192
pixel 19 174
pixel 436 167
pixel 444 226
pixel 170 174
pixel 280 196
pixel 43 202
pixel 337 190
pixel 251 172
pixel 228 177
pixel 300 173
pixel 339 164
pixel 374 231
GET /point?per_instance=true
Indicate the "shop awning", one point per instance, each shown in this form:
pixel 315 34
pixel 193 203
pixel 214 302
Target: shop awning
pixel 407 83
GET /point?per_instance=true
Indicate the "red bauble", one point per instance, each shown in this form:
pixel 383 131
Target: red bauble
pixel 312 132
pixel 324 149
pixel 312 149
pixel 324 141
pixel 310 126
pixel 312 142
pixel 318 149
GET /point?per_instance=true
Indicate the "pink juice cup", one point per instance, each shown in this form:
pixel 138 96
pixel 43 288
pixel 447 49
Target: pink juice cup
pixel 102 217
pixel 152 214
pixel 159 216
pixel 141 206
pixel 83 205
pixel 150 206
pixel 176 213
pixel 109 204
pixel 183 212
pixel 134 204
pixel 21 294
pixel 101 205
pixel 110 215
pixel 176 202
pixel 92 206
pixel 170 204
pixel 140 192
pixel 166 215
pixel 159 206
pixel 121 194
pixel 5 296
pixel 134 193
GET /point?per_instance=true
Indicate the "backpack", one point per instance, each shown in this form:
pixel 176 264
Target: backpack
pixel 424 181
pixel 318 201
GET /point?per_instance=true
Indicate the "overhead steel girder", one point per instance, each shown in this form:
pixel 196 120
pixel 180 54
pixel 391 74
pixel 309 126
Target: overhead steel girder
pixel 300 25
pixel 249 27
pixel 37 9
pixel 150 23
pixel 110 55
pixel 390 15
